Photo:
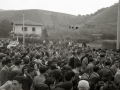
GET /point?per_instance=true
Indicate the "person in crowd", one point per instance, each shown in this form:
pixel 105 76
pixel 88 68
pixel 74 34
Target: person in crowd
pixel 26 61
pixel 8 84
pixel 83 85
pixel 67 84
pixel 50 81
pixel 94 76
pixel 27 81
pixel 37 60
pixel 36 68
pixel 78 69
pixel 115 67
pixel 86 74
pixel 41 87
pixel 17 83
pixel 91 62
pixel 5 70
pixel 2 55
pixel 103 72
pixel 41 78
pixel 85 61
pixel 72 60
pixel 116 78
pixel 16 66
pixel 59 67
pixel 56 74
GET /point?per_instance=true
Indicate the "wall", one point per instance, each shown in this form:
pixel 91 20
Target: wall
pixel 18 29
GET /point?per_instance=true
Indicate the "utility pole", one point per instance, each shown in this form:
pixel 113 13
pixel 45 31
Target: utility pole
pixel 23 32
pixel 118 27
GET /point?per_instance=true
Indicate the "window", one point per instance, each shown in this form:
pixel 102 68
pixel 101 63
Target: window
pixel 33 29
pixel 25 28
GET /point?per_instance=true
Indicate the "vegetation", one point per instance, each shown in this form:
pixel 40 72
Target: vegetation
pixel 5 28
pixel 45 34
pixel 103 21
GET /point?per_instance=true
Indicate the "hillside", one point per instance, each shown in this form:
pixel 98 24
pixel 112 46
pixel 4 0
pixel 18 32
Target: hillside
pixel 56 23
pixel 104 22
pixel 48 18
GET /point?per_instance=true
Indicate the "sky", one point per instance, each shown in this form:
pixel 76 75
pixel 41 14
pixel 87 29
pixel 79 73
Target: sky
pixel 73 7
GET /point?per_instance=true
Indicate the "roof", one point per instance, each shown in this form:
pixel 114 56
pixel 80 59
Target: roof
pixel 27 22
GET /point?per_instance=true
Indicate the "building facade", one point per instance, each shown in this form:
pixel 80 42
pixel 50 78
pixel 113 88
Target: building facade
pixel 30 28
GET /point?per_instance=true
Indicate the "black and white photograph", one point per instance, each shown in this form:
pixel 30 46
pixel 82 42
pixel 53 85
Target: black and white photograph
pixel 59 44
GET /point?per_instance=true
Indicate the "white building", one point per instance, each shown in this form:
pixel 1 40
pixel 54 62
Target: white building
pixel 30 27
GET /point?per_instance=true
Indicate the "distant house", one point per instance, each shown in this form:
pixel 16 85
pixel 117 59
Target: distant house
pixel 30 28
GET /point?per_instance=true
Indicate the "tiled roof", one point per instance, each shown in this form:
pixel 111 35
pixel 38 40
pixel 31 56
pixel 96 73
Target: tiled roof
pixel 27 22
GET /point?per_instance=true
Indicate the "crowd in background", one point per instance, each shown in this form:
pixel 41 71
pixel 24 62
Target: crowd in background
pixel 59 66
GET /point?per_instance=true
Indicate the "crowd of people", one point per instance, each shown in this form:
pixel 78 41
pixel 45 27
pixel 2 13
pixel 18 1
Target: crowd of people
pixel 59 66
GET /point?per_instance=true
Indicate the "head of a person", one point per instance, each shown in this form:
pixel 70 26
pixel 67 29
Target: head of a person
pixel 17 83
pixel 53 67
pixel 90 59
pixel 86 55
pixel 24 70
pixel 43 69
pixel 83 85
pixel 30 71
pixel 66 68
pixel 26 60
pixel 8 62
pixel 78 52
pixel 36 66
pixel 50 81
pixel 116 61
pixel 55 74
pixel 3 61
pixel 102 55
pixel 41 87
pixel 69 75
pixel 107 63
pixel 59 63
pixel 97 63
pixel 88 69
pixel 95 68
pixel 37 56
pixel 17 62
pixel 78 65
pixel 73 53
pixel 32 63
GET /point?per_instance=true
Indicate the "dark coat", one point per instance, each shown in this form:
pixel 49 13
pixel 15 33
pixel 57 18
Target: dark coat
pixel 4 75
pixel 27 83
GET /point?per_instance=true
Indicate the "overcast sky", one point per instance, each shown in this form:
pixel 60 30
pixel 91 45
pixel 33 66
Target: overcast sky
pixel 74 7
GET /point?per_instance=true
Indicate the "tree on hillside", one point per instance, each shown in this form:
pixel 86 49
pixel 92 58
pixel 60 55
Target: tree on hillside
pixel 5 28
pixel 99 11
pixel 44 34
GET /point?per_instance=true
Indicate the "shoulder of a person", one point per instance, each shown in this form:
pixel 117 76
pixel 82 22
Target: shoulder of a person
pixel 14 69
pixel 112 66
pixel 36 77
pixel 3 69
pixel 9 82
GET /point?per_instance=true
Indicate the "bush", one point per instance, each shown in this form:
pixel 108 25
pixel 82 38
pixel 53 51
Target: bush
pixel 79 40
pixel 30 40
